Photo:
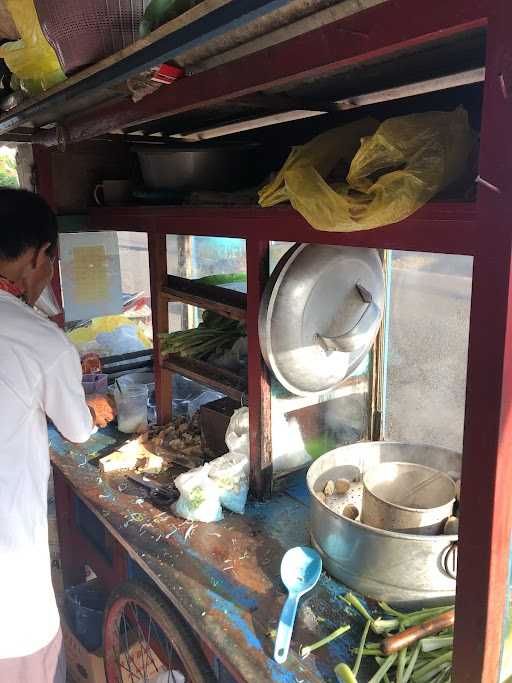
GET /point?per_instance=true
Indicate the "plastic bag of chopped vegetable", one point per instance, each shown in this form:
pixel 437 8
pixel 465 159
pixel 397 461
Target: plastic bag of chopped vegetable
pixel 200 497
pixel 398 167
pixel 231 474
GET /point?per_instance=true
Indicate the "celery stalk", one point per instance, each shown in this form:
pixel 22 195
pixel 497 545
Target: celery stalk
pixel 344 674
pixel 412 662
pixel 400 669
pixel 305 651
pixel 431 666
pixel 383 669
pixel 357 663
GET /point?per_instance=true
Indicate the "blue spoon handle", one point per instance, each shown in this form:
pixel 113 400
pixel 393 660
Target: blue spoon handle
pixel 285 627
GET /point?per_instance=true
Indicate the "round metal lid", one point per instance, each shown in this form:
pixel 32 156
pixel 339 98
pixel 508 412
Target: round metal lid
pixel 319 315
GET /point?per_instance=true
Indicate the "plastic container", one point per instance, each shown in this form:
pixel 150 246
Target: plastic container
pixel 132 406
pixel 86 31
pixel 84 606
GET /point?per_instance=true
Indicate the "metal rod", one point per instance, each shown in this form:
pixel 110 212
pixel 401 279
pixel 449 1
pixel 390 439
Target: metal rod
pixel 456 80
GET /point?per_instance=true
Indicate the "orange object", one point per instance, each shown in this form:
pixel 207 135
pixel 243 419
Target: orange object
pixel 91 363
pixel 414 633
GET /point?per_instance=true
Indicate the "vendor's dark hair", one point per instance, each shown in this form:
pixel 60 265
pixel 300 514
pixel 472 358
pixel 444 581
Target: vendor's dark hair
pixel 26 221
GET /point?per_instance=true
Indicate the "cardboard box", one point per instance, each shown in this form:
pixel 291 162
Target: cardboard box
pixel 82 664
pixel 89 666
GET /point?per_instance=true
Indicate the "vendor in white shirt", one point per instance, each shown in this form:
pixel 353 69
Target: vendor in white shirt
pixel 40 376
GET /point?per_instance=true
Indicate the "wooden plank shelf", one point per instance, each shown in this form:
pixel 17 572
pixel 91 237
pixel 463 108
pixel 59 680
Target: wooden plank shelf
pixel 226 382
pixel 226 302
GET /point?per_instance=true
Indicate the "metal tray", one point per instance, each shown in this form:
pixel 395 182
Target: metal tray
pixel 319 315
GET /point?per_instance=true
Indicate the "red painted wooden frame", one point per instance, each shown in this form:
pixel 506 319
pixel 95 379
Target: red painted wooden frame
pixel 376 32
pixel 482 230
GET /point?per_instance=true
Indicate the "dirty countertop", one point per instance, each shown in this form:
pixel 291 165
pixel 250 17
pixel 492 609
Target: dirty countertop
pixel 223 577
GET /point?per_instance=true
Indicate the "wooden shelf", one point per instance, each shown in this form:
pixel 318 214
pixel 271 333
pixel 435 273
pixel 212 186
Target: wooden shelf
pixel 226 382
pixel 443 227
pixel 226 302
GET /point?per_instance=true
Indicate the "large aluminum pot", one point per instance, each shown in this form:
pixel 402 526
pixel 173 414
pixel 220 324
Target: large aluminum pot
pixel 199 166
pixel 402 569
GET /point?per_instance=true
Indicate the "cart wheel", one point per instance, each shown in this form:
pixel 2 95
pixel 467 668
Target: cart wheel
pixel 145 639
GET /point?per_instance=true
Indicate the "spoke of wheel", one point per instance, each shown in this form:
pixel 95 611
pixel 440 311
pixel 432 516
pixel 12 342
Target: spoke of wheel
pixel 127 647
pixel 142 638
pixel 142 642
pixel 169 656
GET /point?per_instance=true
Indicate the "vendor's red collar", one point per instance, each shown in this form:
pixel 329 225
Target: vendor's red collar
pixel 8 286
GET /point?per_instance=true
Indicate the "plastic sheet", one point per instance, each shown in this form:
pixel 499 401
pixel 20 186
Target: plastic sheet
pixel 399 166
pixel 31 59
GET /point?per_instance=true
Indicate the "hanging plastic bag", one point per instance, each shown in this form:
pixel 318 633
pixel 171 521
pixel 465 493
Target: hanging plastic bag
pixel 237 433
pixel 397 169
pixel 200 498
pixel 230 472
pixel 31 59
pixel 288 450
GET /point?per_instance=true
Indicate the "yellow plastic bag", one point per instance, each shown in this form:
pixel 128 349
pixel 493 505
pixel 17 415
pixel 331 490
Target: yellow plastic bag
pixel 31 59
pixel 400 166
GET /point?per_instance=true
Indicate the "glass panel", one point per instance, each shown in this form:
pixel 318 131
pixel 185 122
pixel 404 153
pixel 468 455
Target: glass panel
pixel 426 347
pixel 219 259
pixel 131 330
pixel 506 656
pixel 303 428
pixel 506 659
pixel 8 171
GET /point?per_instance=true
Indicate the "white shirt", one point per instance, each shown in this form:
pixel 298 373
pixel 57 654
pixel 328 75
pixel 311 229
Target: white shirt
pixel 40 375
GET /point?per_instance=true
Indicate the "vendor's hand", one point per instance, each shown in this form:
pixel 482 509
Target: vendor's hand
pixel 102 409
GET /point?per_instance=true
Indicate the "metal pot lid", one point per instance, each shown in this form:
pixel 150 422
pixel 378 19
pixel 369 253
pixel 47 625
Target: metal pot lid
pixel 319 315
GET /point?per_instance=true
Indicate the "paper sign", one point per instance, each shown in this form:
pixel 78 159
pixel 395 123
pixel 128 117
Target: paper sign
pixel 91 275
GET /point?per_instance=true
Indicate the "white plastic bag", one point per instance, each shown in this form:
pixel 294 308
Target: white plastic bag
pixel 200 497
pixel 288 449
pixel 237 433
pixel 230 472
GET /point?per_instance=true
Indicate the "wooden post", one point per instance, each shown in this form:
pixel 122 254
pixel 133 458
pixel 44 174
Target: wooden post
pixel 257 252
pixel 157 249
pixel 486 503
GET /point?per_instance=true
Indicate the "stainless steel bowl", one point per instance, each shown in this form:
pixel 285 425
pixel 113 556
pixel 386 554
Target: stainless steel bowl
pixel 403 569
pixel 407 497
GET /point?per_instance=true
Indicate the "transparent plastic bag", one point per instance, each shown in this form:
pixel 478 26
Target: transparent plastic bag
pixel 32 59
pixel 200 497
pixel 399 166
pixel 231 474
pixel 237 433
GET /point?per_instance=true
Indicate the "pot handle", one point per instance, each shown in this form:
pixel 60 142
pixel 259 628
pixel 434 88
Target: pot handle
pixel 367 326
pixel 449 560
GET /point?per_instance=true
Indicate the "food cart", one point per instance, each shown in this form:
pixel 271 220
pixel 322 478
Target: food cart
pixel 218 585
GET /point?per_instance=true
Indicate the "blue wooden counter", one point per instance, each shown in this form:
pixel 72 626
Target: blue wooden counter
pixel 223 577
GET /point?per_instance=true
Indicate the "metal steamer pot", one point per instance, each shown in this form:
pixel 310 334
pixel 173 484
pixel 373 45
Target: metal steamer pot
pixel 403 569
pixel 319 315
